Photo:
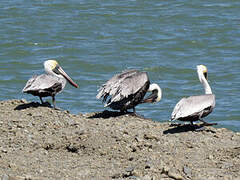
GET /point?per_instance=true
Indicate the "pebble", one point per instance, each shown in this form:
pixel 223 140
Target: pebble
pixel 151 137
pixel 131 158
pixel 71 122
pixel 132 177
pixel 186 170
pixel 116 176
pixel 229 177
pixel 175 175
pixel 165 170
pixel 137 173
pixel 5 177
pixel 4 150
pixel 146 177
pixel 23 101
pixel 216 136
pixel 129 169
pixel 148 165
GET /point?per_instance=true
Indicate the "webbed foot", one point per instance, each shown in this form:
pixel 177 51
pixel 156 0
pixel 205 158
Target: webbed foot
pixel 57 108
pixel 206 123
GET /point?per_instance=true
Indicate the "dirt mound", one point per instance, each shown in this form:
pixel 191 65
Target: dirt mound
pixel 38 142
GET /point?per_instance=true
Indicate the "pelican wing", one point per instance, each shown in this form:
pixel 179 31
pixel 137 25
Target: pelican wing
pixel 122 85
pixel 193 105
pixel 40 82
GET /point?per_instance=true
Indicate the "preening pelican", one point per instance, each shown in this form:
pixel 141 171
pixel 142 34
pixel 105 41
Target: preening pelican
pixel 127 89
pixel 194 108
pixel 49 84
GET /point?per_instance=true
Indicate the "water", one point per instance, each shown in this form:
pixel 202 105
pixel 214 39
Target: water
pixel 93 40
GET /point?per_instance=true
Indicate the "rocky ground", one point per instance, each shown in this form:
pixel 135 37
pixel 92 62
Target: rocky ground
pixel 38 142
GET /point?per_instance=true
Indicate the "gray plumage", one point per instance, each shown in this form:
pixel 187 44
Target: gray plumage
pixel 44 85
pixel 125 90
pixel 193 108
pixel 48 84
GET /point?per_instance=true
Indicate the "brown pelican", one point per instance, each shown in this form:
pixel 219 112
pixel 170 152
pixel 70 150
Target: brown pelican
pixel 127 89
pixel 194 108
pixel 49 84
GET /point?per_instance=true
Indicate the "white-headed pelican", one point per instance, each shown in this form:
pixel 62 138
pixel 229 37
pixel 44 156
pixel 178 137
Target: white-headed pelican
pixel 194 108
pixel 127 89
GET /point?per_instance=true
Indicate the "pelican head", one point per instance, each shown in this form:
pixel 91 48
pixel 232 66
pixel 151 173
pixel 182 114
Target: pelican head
pixel 202 72
pixel 52 67
pixel 156 94
pixel 203 77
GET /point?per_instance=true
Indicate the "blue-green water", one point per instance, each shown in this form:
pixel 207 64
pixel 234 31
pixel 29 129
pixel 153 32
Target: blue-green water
pixel 92 40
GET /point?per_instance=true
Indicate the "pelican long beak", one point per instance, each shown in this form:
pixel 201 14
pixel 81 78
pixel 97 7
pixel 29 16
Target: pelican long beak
pixel 61 71
pixel 151 98
pixel 205 75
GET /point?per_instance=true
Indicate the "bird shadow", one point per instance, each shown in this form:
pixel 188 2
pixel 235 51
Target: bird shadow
pixel 113 114
pixel 32 105
pixel 107 114
pixel 180 128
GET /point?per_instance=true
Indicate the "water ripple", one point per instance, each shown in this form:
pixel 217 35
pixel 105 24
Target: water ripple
pixel 93 40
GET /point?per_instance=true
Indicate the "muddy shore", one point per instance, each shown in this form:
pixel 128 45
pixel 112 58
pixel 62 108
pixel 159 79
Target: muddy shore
pixel 38 142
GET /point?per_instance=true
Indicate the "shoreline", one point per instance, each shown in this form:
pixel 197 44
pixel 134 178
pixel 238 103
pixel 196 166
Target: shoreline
pixel 38 142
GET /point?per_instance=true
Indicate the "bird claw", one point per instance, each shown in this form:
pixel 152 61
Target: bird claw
pixel 201 127
pixel 198 128
pixel 137 115
pixel 46 104
pixel 209 124
pixel 175 124
pixel 57 108
pixel 204 123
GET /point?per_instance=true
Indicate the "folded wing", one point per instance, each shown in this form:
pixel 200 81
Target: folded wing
pixel 123 85
pixel 193 105
pixel 40 83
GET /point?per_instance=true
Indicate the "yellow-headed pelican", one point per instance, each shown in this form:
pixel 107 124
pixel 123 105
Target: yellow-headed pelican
pixel 49 84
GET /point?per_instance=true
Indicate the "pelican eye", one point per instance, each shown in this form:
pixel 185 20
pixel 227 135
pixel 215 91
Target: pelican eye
pixel 56 69
pixel 155 94
pixel 205 75
pixel 155 91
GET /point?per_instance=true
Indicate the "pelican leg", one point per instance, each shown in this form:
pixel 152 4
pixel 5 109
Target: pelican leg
pixel 41 99
pixel 134 113
pixel 196 127
pixel 44 103
pixel 54 103
pixel 123 112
